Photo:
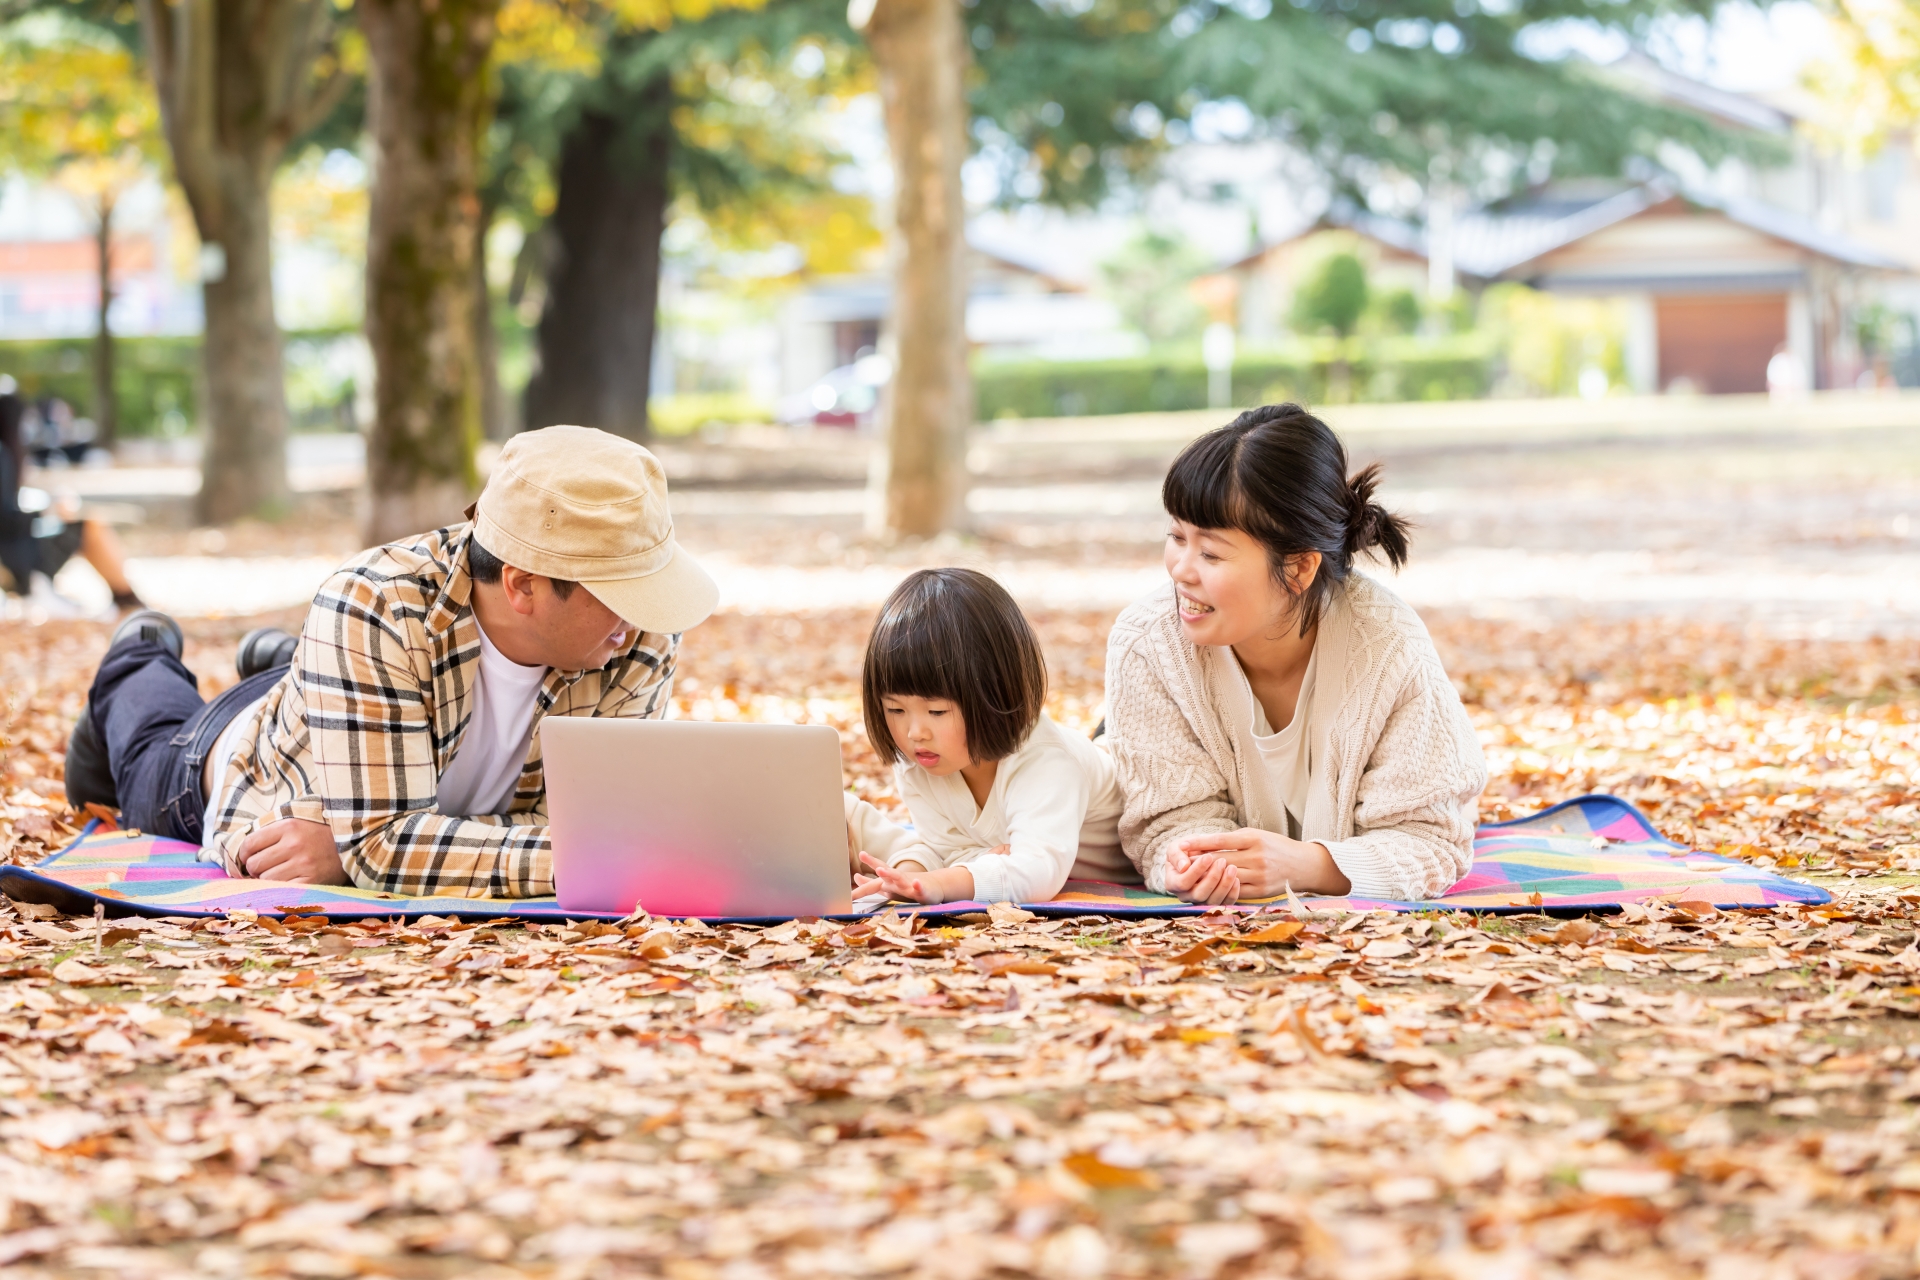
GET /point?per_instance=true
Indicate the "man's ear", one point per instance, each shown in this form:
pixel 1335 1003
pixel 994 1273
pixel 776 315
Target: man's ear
pixel 517 586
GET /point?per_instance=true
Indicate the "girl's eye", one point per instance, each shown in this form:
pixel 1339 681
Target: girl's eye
pixel 1209 557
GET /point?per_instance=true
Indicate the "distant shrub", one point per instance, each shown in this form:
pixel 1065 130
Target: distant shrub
pixel 680 415
pixel 1333 295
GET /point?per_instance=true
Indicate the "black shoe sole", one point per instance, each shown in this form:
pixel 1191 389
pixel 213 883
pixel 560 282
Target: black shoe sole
pixel 264 649
pixel 149 624
pixel 89 775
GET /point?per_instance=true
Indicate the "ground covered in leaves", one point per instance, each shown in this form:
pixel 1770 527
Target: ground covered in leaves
pixel 1664 1092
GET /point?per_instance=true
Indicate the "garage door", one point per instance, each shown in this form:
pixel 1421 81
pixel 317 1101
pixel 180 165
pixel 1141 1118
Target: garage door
pixel 1720 344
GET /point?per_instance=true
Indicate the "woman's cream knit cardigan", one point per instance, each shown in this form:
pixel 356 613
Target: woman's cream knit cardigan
pixel 1396 767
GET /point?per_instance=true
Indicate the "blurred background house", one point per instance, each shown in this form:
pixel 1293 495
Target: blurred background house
pixel 1793 256
pixel 50 265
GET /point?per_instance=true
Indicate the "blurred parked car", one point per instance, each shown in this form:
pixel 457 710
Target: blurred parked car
pixel 845 397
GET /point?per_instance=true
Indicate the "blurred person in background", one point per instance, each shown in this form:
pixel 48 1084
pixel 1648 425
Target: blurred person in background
pixel 54 436
pixel 39 534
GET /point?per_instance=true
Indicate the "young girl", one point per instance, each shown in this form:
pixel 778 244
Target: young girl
pixel 1006 805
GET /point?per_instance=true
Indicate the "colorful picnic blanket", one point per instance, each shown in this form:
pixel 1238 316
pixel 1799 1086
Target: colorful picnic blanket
pixel 1590 853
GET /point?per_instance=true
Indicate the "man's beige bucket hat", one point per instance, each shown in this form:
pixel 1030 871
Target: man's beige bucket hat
pixel 589 507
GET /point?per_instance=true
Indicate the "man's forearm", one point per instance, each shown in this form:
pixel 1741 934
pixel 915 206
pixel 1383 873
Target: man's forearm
pixel 424 854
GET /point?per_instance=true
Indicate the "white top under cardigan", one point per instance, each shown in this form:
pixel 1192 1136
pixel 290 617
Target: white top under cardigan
pixel 1395 767
pixel 1054 801
pixel 1280 778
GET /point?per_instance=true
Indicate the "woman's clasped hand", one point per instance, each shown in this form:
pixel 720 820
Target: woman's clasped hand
pixel 1232 866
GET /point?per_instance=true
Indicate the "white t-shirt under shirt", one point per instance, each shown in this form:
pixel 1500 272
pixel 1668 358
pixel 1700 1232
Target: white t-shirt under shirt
pixel 221 756
pixel 485 769
pixel 1280 763
pixel 1055 801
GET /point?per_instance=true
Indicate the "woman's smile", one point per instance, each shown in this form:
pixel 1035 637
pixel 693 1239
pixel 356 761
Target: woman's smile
pixel 1192 608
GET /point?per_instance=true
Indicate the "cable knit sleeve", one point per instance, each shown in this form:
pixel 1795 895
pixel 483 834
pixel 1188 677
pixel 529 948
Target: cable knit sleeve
pixel 1172 787
pixel 1416 799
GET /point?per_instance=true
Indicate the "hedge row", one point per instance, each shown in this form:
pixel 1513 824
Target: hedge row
pixel 152 377
pixel 1450 369
pixel 156 378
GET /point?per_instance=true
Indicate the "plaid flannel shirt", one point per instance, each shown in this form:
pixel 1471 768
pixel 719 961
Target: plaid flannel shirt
pixel 372 711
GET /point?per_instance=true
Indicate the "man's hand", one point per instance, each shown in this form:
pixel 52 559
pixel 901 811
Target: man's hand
pixel 1265 864
pixel 295 850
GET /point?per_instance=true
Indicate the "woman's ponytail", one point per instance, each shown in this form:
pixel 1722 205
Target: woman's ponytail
pixel 1370 525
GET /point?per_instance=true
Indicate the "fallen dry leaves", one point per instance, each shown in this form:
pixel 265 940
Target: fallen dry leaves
pixel 1661 1092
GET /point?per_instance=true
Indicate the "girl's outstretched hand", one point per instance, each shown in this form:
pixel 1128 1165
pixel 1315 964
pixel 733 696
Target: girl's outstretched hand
pixel 912 886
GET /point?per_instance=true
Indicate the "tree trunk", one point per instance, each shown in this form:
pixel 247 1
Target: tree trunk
pixel 486 342
pixel 243 468
pixel 235 83
pixel 428 105
pixel 106 413
pixel 603 290
pixel 921 51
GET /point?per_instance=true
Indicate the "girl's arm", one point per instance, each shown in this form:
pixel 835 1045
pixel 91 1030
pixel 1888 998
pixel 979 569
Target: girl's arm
pixel 870 831
pixel 1046 803
pixel 911 882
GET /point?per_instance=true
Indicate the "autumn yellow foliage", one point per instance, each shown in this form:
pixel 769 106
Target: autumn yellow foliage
pixel 1872 83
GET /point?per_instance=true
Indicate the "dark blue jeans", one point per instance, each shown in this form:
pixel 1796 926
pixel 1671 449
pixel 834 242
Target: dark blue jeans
pixel 158 731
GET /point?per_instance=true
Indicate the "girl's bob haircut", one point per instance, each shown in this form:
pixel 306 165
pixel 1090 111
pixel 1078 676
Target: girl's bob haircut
pixel 957 635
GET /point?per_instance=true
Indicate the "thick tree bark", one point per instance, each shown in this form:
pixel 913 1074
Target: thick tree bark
pixel 920 48
pixel 428 107
pixel 106 413
pixel 243 469
pixel 603 290
pixel 235 84
pixel 486 343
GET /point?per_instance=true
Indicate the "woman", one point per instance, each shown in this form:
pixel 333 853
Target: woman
pixel 43 539
pixel 1278 721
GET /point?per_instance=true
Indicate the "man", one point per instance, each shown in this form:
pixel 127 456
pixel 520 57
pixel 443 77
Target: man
pixel 399 750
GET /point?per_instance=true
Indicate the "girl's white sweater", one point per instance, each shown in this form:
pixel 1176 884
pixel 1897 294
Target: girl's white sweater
pixel 1055 802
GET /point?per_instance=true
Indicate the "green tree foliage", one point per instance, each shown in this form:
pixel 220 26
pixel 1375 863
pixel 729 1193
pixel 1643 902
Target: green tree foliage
pixel 1074 99
pixel 1396 311
pixel 1150 280
pixel 1332 295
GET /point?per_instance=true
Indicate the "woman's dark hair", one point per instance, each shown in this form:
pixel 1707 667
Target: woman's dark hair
pixel 1279 475
pixel 955 634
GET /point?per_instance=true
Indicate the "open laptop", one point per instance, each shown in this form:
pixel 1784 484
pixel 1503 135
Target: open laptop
pixel 692 818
